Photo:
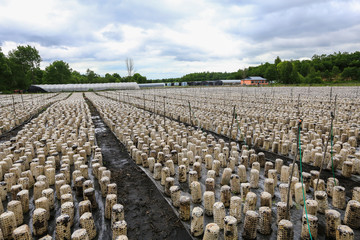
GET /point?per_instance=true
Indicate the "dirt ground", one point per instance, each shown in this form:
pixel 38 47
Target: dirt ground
pixel 147 213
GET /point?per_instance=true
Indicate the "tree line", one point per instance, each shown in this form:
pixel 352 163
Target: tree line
pixel 20 68
pixel 332 68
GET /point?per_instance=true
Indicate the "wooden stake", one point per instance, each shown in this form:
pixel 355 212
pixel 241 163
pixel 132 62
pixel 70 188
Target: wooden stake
pixel 224 99
pixel 154 105
pixel 190 113
pixel 294 161
pixel 232 123
pixel 164 112
pixel 144 100
pixel 332 116
pixel 22 100
pixel 13 105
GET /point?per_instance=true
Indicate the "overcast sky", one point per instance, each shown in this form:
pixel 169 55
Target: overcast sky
pixel 169 38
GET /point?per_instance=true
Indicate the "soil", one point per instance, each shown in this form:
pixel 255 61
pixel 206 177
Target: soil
pixel 147 213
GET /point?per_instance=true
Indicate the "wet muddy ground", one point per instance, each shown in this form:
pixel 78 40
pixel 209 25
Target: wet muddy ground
pixel 147 213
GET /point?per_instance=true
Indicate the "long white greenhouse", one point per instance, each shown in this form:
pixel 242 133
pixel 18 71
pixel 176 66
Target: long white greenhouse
pixel 87 86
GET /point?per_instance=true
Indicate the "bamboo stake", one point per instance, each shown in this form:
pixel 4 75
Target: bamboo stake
pixel 13 105
pixel 22 100
pixel 154 105
pixel 164 112
pixel 294 161
pixel 332 115
pixel 232 123
pixel 190 113
pixel 144 100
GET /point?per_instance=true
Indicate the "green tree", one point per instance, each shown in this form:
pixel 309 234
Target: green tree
pixel 335 73
pixel 277 61
pixel 109 78
pixel 5 72
pixel 294 78
pixel 236 75
pixel 285 70
pixel 24 62
pixel 117 76
pixel 350 73
pixel 305 68
pixel 76 77
pixel 271 73
pixel 326 75
pixel 138 78
pixel 301 78
pixel 313 77
pixel 57 72
pixel 92 77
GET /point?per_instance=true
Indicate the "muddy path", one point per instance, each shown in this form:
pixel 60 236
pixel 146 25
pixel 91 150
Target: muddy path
pixel 147 213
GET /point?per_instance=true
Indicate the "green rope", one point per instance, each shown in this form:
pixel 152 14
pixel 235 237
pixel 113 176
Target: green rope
pixel 302 184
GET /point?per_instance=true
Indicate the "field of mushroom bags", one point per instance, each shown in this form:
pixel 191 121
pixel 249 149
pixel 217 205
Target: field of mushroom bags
pixel 17 109
pixel 186 163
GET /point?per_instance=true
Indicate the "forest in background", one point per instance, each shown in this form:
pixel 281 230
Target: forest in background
pixel 20 68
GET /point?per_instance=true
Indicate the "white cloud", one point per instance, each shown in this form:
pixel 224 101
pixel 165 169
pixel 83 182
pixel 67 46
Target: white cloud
pixel 169 38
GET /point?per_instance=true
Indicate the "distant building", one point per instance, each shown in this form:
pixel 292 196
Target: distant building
pixel 231 82
pixel 151 85
pixel 254 80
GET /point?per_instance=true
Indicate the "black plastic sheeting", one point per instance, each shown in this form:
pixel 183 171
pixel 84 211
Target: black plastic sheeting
pixel 35 89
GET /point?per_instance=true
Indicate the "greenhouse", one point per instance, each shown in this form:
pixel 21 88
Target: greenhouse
pixel 149 85
pixel 85 87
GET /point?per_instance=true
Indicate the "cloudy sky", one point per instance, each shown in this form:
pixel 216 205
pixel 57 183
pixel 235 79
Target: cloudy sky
pixel 169 38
